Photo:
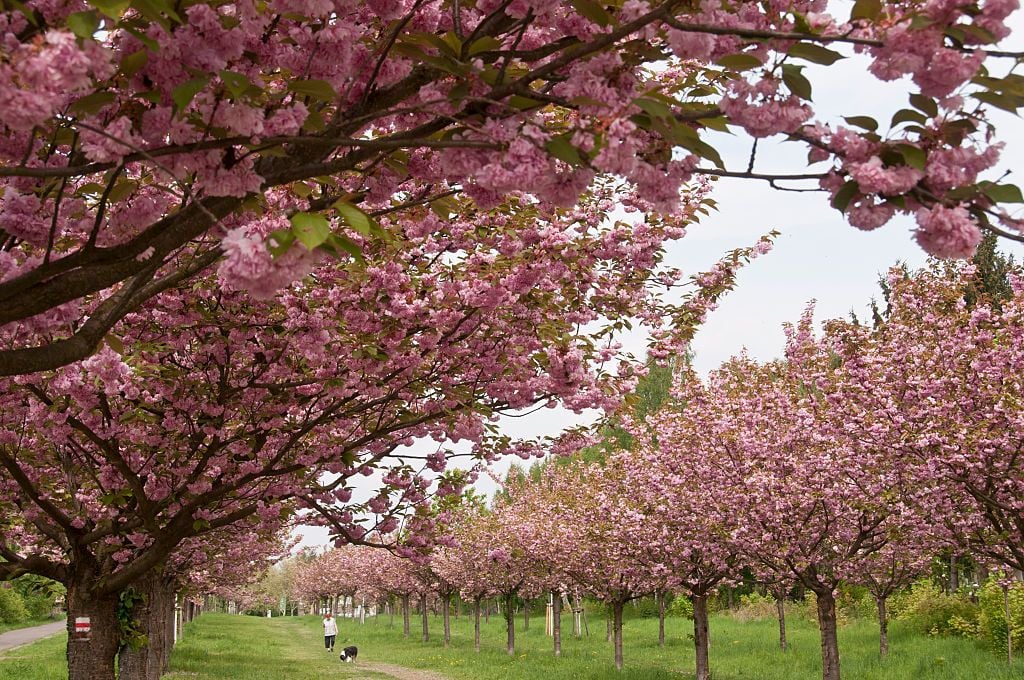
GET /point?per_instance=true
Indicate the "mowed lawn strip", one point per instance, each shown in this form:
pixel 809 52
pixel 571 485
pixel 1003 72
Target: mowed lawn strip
pixel 223 647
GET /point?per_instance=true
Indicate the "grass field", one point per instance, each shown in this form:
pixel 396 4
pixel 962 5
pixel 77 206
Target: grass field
pixel 223 647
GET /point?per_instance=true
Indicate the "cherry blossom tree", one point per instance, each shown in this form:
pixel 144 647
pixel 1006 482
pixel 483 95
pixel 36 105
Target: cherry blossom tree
pixel 142 141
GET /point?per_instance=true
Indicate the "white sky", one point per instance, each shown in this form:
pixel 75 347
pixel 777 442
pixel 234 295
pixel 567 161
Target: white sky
pixel 817 256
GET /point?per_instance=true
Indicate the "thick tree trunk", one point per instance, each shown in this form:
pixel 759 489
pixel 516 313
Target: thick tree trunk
pixel 447 599
pixel 780 610
pixel 510 626
pixel 476 622
pixel 700 636
pixel 617 632
pixel 556 621
pixel 526 614
pixel 148 661
pixel 91 659
pixel 661 619
pixel 405 616
pixel 829 635
pixel 426 622
pixel 883 628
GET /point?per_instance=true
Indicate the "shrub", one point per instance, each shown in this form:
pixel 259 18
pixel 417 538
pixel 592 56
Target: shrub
pixel 680 606
pixel 991 625
pixel 928 610
pixel 12 607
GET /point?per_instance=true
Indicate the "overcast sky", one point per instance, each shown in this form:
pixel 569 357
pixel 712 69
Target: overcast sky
pixel 817 256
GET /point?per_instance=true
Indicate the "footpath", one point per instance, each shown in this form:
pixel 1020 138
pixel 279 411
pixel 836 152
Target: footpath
pixel 23 636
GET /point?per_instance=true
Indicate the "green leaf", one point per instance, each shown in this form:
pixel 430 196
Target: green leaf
pixel 237 83
pixel 864 122
pixel 91 103
pixel 814 53
pixel 337 244
pixel 156 10
pixel 801 24
pixel 924 104
pixel 358 220
pixel 908 116
pixel 131 64
pixel 866 9
pixel 794 79
pixel 111 8
pixel 912 155
pixel 1005 102
pixel 318 89
pixel 183 94
pixel 485 44
pixel 278 242
pixel 311 229
pixel 561 148
pixel 739 62
pixel 655 108
pixel 84 24
pixel 593 11
pixel 845 195
pixel 1002 193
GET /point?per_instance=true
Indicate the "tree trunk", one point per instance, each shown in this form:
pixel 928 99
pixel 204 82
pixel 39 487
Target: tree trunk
pixel 510 626
pixel 883 628
pixel 829 636
pixel 526 614
pixel 617 631
pixel 780 610
pixel 661 619
pixel 954 577
pixel 405 616
pixel 91 659
pixel 556 621
pixel 147 662
pixel 447 622
pixel 700 636
pixel 1010 625
pixel 476 622
pixel 426 615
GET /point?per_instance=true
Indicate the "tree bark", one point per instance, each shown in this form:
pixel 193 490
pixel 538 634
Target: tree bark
pixel 954 577
pixel 883 628
pixel 617 631
pixel 829 635
pixel 426 615
pixel 780 610
pixel 556 621
pixel 476 622
pixel 91 659
pixel 405 615
pixel 661 619
pixel 700 636
pixel 447 622
pixel 510 625
pixel 149 661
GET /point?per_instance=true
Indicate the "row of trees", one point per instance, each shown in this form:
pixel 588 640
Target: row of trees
pixel 857 459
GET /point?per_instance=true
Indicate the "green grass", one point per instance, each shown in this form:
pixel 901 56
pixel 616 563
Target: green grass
pixel 222 647
pixel 43 660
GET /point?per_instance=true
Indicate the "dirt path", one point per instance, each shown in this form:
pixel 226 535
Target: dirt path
pixel 401 672
pixel 23 636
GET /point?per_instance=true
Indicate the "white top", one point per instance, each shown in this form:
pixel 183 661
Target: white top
pixel 330 627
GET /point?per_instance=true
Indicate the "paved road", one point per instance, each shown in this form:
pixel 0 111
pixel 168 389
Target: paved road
pixel 23 636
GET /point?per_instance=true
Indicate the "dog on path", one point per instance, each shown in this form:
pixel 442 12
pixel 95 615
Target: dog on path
pixel 349 653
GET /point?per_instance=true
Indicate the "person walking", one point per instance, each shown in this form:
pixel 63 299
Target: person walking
pixel 330 631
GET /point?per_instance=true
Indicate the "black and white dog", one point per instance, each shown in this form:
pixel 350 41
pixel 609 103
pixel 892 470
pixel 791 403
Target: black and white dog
pixel 349 653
